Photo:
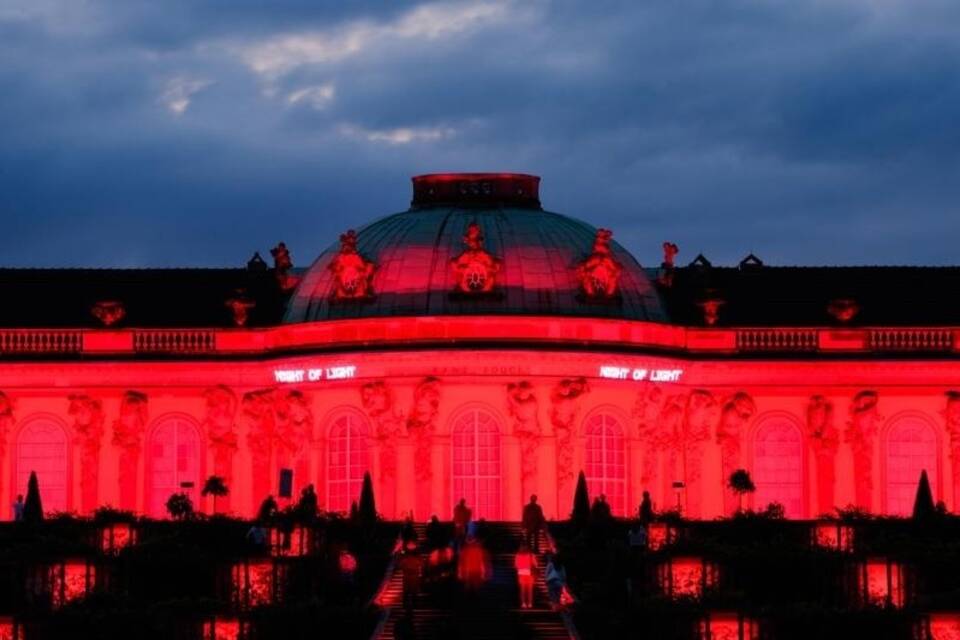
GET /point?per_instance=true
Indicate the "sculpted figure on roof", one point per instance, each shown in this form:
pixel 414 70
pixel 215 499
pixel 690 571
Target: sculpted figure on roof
pixel 599 272
pixel 475 270
pixel 352 273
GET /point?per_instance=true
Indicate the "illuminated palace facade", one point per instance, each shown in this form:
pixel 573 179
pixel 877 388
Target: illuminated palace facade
pixel 477 346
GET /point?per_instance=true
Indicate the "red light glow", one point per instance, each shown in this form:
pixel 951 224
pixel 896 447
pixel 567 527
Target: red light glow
pixel 687 577
pixel 944 626
pixel 833 535
pixel 115 537
pixel 728 626
pixel 880 583
pixel 70 581
pixel 8 629
pixel 222 629
pixel 254 583
pixel 659 535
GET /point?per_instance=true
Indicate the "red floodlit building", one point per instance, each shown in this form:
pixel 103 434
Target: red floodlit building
pixel 478 346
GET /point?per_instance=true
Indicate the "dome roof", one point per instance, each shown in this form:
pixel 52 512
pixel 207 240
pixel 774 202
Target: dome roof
pixel 535 254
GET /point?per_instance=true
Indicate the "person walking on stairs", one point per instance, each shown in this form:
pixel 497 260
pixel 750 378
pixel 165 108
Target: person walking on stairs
pixel 411 566
pixel 533 522
pixel 555 577
pixel 525 563
pixel 461 518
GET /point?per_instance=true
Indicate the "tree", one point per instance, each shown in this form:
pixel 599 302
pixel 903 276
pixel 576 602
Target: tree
pixel 741 483
pixel 180 506
pixel 923 507
pixel 581 502
pixel 216 487
pixel 367 510
pixel 33 507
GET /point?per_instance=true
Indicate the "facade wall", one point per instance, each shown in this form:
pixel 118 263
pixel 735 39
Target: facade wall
pixel 115 431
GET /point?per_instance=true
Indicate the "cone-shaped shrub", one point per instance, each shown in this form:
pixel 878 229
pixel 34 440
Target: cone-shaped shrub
pixel 33 507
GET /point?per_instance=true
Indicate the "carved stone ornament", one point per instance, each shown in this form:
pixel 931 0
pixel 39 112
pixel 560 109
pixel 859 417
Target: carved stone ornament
pixel 128 432
pixel 108 312
pixel 352 273
pixel 420 425
pixel 861 433
pixel 824 440
pixel 378 401
pixel 667 270
pixel 565 400
pixel 475 270
pixel 599 273
pixel 129 427
pixel 88 418
pixel 240 306
pixel 710 307
pixel 219 424
pixel 734 417
pixel 282 264
pixel 219 420
pixel 843 309
pixel 258 412
pixel 6 421
pixel 951 416
pixel 524 409
pixel 701 415
pixel 294 422
pixel 646 416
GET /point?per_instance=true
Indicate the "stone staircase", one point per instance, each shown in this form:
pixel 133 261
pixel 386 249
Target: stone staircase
pixel 493 613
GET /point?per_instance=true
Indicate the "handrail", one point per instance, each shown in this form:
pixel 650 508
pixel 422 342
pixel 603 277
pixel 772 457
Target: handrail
pixel 345 335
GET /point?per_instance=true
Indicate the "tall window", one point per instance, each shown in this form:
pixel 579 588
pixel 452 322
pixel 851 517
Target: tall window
pixel 42 447
pixel 476 462
pixel 174 455
pixel 604 464
pixel 911 447
pixel 778 466
pixel 349 459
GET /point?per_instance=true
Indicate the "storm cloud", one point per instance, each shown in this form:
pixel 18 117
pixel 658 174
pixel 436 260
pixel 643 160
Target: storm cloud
pixel 181 133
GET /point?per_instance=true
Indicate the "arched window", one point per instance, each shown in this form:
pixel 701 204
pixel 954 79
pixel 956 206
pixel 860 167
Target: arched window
pixel 604 460
pixel 778 466
pixel 476 462
pixel 911 447
pixel 349 459
pixel 42 447
pixel 174 457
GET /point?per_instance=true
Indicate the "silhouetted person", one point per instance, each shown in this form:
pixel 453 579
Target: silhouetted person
pixel 18 508
pixel 600 511
pixel 436 536
pixel 268 509
pixel 257 536
pixel 411 567
pixel 555 576
pixel 408 533
pixel 637 538
pixel 461 517
pixel 472 568
pixel 533 522
pixel 646 509
pixel 307 505
pixel 525 563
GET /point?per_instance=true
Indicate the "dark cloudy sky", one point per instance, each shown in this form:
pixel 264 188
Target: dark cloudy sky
pixel 145 133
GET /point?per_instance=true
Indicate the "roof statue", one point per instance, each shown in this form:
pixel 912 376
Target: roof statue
pixel 353 274
pixel 475 270
pixel 599 273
